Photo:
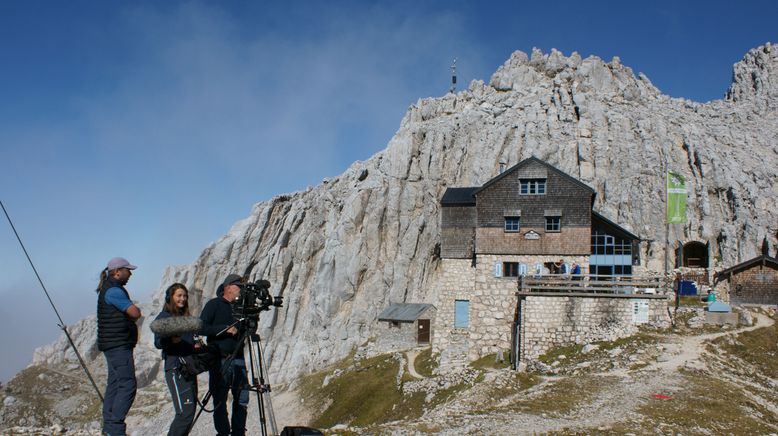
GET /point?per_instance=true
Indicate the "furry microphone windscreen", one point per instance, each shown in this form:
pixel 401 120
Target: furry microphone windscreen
pixel 176 325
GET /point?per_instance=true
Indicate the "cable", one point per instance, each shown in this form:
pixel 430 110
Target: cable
pixel 61 323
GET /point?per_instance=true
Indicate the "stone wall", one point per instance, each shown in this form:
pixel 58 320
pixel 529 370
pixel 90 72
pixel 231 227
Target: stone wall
pixel 492 304
pixel 456 354
pixel 456 278
pixel 396 336
pixel 549 322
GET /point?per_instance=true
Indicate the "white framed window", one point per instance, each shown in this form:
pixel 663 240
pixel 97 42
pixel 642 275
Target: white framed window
pixel 512 224
pixel 553 223
pixel 532 186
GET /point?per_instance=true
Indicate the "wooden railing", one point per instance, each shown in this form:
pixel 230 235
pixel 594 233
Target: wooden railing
pixel 597 284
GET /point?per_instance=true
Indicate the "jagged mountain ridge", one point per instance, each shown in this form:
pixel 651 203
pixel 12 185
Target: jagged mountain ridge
pixel 341 251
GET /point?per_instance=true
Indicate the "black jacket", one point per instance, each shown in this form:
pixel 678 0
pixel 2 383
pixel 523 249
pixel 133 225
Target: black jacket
pixel 114 327
pixel 171 350
pixel 217 316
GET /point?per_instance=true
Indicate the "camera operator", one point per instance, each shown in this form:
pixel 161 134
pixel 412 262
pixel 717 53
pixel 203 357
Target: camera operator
pixel 218 325
pixel 117 335
pixel 182 386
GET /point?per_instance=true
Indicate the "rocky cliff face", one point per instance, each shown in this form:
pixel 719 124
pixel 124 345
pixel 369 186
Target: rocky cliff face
pixel 341 252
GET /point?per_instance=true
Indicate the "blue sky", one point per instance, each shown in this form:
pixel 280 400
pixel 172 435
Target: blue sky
pixel 146 129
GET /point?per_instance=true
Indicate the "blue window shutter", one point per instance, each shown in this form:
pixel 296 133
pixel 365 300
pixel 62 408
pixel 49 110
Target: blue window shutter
pixel 498 269
pixel 462 314
pixel 522 269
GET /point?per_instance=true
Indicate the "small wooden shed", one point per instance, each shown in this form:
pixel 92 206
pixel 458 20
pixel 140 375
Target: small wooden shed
pixel 752 282
pixel 407 325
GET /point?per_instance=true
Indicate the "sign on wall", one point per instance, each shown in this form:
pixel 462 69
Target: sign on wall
pixel 639 311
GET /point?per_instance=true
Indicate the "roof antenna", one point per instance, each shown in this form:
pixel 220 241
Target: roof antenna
pixel 453 76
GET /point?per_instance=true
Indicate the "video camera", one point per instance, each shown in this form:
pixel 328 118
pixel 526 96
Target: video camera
pixel 254 298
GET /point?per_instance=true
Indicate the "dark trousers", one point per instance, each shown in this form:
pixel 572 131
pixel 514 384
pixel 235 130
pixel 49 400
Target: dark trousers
pixel 183 389
pixel 232 378
pixel 119 390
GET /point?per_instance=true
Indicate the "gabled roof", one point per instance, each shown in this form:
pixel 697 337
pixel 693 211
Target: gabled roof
pixel 531 160
pixel 599 217
pixel 459 197
pixel 403 312
pixel 759 260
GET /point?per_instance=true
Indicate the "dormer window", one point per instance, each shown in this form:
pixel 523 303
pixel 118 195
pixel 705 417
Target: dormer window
pixel 533 186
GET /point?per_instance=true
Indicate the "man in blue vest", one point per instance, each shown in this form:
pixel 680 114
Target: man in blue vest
pixel 117 335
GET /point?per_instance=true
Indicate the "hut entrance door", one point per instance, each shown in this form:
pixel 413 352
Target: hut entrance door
pixel 424 331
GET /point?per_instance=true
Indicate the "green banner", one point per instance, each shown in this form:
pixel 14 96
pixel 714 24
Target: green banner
pixel 676 198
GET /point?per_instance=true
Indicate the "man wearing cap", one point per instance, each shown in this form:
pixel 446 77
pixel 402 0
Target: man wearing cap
pixel 117 335
pixel 220 328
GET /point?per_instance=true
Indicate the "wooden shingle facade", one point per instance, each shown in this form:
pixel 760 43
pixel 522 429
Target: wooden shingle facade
pixel 532 208
pixel 752 282
pixel 555 196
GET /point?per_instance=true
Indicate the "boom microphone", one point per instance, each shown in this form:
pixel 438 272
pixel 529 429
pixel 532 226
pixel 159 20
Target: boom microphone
pixel 176 325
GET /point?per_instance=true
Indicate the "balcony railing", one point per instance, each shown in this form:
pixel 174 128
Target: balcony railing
pixel 596 284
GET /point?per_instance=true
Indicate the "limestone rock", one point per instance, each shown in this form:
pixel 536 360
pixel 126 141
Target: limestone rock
pixel 340 252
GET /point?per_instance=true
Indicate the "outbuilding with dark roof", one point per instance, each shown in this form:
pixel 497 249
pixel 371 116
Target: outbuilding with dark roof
pixel 754 281
pixel 405 325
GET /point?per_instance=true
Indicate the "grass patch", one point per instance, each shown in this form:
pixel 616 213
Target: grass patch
pixel 706 405
pixel 684 326
pixel 692 301
pixel 428 428
pixel 363 394
pixel 560 398
pixel 42 395
pixel 573 352
pixel 636 341
pixel 570 357
pixel 426 363
pixel 757 347
pixel 490 362
pixel 515 383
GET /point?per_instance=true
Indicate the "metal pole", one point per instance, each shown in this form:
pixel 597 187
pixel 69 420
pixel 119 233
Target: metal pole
pixel 61 322
pixel 667 222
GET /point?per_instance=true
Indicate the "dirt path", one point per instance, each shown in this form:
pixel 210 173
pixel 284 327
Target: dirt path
pixel 411 367
pixel 687 350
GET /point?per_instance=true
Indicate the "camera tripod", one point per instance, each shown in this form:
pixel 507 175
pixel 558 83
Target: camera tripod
pixel 250 340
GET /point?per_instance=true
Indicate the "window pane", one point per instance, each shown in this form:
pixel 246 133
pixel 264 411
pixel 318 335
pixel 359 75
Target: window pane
pixel 553 223
pixel 512 224
pixel 510 269
pixel 532 186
